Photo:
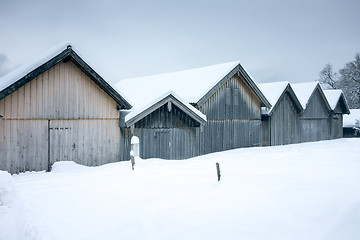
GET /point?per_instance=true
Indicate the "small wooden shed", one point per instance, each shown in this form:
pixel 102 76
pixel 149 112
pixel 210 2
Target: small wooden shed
pixel 339 107
pixel 224 93
pixel 58 108
pixel 233 110
pixel 281 122
pixel 314 121
pixel 167 128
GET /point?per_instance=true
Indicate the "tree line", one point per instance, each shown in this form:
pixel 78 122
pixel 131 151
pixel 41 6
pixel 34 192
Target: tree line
pixel 347 79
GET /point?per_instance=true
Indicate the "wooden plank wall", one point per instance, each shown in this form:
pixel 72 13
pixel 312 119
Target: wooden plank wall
pixel 314 122
pixel 336 125
pixel 167 143
pixel 90 142
pixel 167 134
pixel 23 145
pixel 66 94
pixel 233 118
pixel 284 123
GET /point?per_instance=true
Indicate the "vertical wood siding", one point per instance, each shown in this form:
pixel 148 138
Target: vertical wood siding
pixel 314 122
pixel 284 123
pixel 336 125
pixel 167 134
pixel 69 99
pixel 233 118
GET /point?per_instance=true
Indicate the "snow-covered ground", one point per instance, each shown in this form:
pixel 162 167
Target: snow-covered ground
pixel 301 191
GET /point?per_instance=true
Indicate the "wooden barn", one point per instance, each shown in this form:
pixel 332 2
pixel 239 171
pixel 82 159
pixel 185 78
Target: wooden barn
pixel 224 93
pixel 281 122
pixel 314 120
pixel 339 107
pixel 58 108
pixel 169 126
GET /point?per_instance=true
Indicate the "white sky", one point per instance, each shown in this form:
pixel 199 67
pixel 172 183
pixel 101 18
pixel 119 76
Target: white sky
pixel 280 40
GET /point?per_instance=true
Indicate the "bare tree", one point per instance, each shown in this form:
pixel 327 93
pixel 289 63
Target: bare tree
pixel 327 76
pixel 348 80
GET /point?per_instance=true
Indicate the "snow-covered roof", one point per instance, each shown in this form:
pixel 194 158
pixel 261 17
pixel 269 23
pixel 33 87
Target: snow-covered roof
pixel 30 70
pixel 333 97
pixel 138 110
pixel 349 120
pixel 26 68
pixel 272 92
pixel 304 91
pixel 191 84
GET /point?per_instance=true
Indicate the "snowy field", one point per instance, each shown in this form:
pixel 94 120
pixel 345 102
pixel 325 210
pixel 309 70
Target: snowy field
pixel 302 191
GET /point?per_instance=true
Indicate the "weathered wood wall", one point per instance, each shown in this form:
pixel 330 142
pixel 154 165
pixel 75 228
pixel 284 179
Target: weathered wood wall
pixel 69 99
pixel 166 134
pixel 284 123
pixel 336 125
pixel 314 122
pixel 233 118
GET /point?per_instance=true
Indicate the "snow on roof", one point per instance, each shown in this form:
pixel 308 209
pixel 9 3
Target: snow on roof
pixel 332 97
pixel 136 110
pixel 28 67
pixel 273 91
pixel 190 84
pixel 304 91
pixel 24 69
pixel 349 120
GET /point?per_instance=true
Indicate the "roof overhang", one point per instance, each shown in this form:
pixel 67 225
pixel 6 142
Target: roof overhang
pixel 68 54
pixel 139 113
pixel 240 71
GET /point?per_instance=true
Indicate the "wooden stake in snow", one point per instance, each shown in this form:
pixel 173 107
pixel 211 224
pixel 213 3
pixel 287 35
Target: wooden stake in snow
pixel 218 171
pixel 132 159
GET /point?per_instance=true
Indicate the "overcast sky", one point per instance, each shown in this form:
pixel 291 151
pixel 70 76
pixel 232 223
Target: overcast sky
pixel 280 40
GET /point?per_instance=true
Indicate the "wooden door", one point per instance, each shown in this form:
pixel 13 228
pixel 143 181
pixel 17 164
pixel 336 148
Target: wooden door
pixel 62 145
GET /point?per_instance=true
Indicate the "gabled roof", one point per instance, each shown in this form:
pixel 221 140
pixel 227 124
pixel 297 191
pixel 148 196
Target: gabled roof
pixel 63 52
pixel 275 91
pixel 305 91
pixel 139 113
pixel 335 97
pixel 193 85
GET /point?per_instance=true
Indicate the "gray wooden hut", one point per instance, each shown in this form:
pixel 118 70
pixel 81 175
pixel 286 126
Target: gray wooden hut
pixel 314 121
pixel 225 93
pixel 339 107
pixel 167 128
pixel 281 122
pixel 58 108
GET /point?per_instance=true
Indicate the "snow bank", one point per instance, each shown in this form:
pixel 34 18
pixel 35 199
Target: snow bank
pixel 300 191
pixel 14 222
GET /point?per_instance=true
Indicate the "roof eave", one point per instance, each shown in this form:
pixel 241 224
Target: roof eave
pixel 67 54
pixel 238 69
pixel 168 98
pixel 34 73
pixel 99 80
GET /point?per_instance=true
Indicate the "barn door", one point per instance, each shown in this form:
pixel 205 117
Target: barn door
pixel 163 144
pixel 61 143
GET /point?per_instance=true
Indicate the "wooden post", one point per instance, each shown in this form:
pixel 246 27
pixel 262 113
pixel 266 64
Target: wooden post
pixel 132 159
pixel 218 171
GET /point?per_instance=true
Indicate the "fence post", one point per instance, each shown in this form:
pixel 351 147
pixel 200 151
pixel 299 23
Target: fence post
pixel 218 171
